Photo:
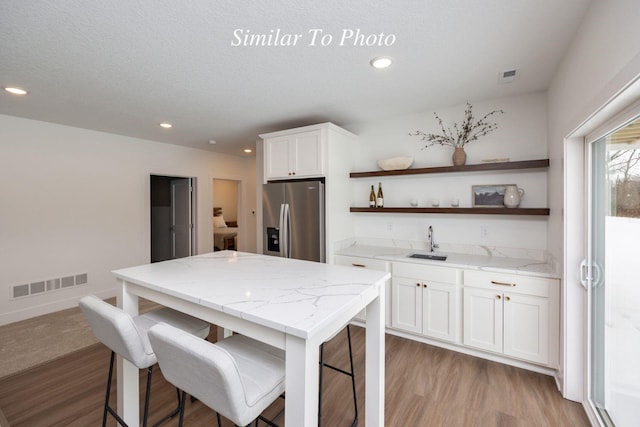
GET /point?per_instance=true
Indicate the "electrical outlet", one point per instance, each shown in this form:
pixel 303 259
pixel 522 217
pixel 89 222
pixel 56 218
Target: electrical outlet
pixel 483 232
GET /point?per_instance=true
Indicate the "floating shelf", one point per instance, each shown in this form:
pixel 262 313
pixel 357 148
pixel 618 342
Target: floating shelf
pixel 467 211
pixel 525 164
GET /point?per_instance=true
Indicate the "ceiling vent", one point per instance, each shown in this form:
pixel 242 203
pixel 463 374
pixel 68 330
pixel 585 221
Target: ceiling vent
pixel 507 76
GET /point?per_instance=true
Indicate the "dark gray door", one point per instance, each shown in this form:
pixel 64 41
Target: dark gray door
pixel 172 220
pixel 181 216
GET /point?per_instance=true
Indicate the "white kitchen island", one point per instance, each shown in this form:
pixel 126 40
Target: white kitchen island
pixel 293 305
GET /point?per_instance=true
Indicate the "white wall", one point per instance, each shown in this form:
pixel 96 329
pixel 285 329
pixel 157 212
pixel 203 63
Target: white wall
pixel 521 135
pixel 77 201
pixel 603 58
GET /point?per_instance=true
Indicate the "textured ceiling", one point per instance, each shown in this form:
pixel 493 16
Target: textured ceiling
pixel 125 66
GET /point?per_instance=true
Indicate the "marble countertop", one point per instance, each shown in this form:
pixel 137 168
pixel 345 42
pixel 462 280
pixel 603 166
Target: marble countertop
pixel 292 296
pixel 521 266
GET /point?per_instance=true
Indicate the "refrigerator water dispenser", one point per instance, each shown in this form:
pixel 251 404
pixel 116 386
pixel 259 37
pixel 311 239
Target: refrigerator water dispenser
pixel 273 236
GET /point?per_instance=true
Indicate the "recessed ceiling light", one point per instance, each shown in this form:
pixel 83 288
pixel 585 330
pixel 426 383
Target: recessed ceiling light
pixel 166 125
pixel 248 150
pixel 212 141
pixel 15 90
pixel 381 62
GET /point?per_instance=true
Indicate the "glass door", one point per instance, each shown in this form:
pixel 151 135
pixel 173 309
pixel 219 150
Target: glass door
pixel 613 279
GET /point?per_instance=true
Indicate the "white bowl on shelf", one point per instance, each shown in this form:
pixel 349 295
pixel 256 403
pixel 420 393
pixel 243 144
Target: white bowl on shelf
pixel 395 163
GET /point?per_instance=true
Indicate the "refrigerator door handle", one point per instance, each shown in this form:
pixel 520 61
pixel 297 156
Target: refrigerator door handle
pixel 282 233
pixel 286 233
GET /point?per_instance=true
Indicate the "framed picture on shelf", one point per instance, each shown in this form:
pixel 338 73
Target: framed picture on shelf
pixel 488 196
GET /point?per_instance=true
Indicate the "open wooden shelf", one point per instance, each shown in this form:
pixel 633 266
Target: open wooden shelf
pixel 451 210
pixel 524 164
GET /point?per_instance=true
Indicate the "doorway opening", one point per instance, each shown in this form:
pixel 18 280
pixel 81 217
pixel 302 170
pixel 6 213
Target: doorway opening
pixel 225 214
pixel 172 217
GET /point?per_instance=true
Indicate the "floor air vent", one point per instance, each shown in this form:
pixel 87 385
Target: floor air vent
pixel 48 285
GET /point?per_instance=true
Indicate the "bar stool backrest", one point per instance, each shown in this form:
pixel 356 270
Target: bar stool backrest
pixel 237 377
pixel 118 331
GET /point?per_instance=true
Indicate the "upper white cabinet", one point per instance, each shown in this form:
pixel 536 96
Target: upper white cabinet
pixel 294 155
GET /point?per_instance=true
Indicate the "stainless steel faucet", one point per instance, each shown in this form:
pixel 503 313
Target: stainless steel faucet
pixel 432 245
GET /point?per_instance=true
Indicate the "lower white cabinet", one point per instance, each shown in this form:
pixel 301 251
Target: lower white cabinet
pixel 424 305
pixel 511 315
pixel 373 264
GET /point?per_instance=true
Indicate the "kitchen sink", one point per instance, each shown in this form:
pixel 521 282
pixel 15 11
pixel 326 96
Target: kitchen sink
pixel 429 256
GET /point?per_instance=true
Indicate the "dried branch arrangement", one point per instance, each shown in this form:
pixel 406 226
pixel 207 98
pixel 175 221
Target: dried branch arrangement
pixel 461 134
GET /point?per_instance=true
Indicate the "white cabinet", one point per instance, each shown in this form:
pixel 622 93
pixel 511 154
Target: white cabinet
pixel 513 315
pixel 526 327
pixel 440 310
pixel 295 155
pixel 406 308
pixel 512 318
pixel 426 300
pixel 373 264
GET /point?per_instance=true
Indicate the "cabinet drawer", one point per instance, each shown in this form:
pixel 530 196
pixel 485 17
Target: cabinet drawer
pixel 425 272
pixel 370 263
pixel 514 283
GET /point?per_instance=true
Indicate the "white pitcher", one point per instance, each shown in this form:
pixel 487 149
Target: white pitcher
pixel 512 196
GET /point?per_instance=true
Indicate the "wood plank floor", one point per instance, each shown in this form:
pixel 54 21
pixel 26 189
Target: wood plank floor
pixel 425 386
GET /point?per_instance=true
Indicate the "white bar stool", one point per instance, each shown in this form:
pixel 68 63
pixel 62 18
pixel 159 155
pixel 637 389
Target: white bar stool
pixel 128 337
pixel 237 377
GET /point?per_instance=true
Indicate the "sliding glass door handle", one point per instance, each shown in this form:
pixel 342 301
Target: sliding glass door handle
pixel 590 276
pixel 584 274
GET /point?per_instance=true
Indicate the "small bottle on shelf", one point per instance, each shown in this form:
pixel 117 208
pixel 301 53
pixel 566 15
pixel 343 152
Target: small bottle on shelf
pixel 380 197
pixel 372 198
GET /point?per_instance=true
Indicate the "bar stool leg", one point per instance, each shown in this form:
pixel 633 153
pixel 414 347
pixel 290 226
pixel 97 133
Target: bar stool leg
pixel 322 365
pixel 108 408
pixel 106 399
pixel 351 374
pixel 353 380
pixel 182 401
pixel 146 398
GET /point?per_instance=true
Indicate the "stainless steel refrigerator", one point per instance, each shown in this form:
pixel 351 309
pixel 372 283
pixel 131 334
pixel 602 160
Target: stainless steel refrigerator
pixel 293 220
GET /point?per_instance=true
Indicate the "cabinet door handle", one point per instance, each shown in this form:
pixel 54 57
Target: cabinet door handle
pixel 418 284
pixel 498 297
pixel 424 285
pixel 493 282
pixel 506 298
pixel 358 265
